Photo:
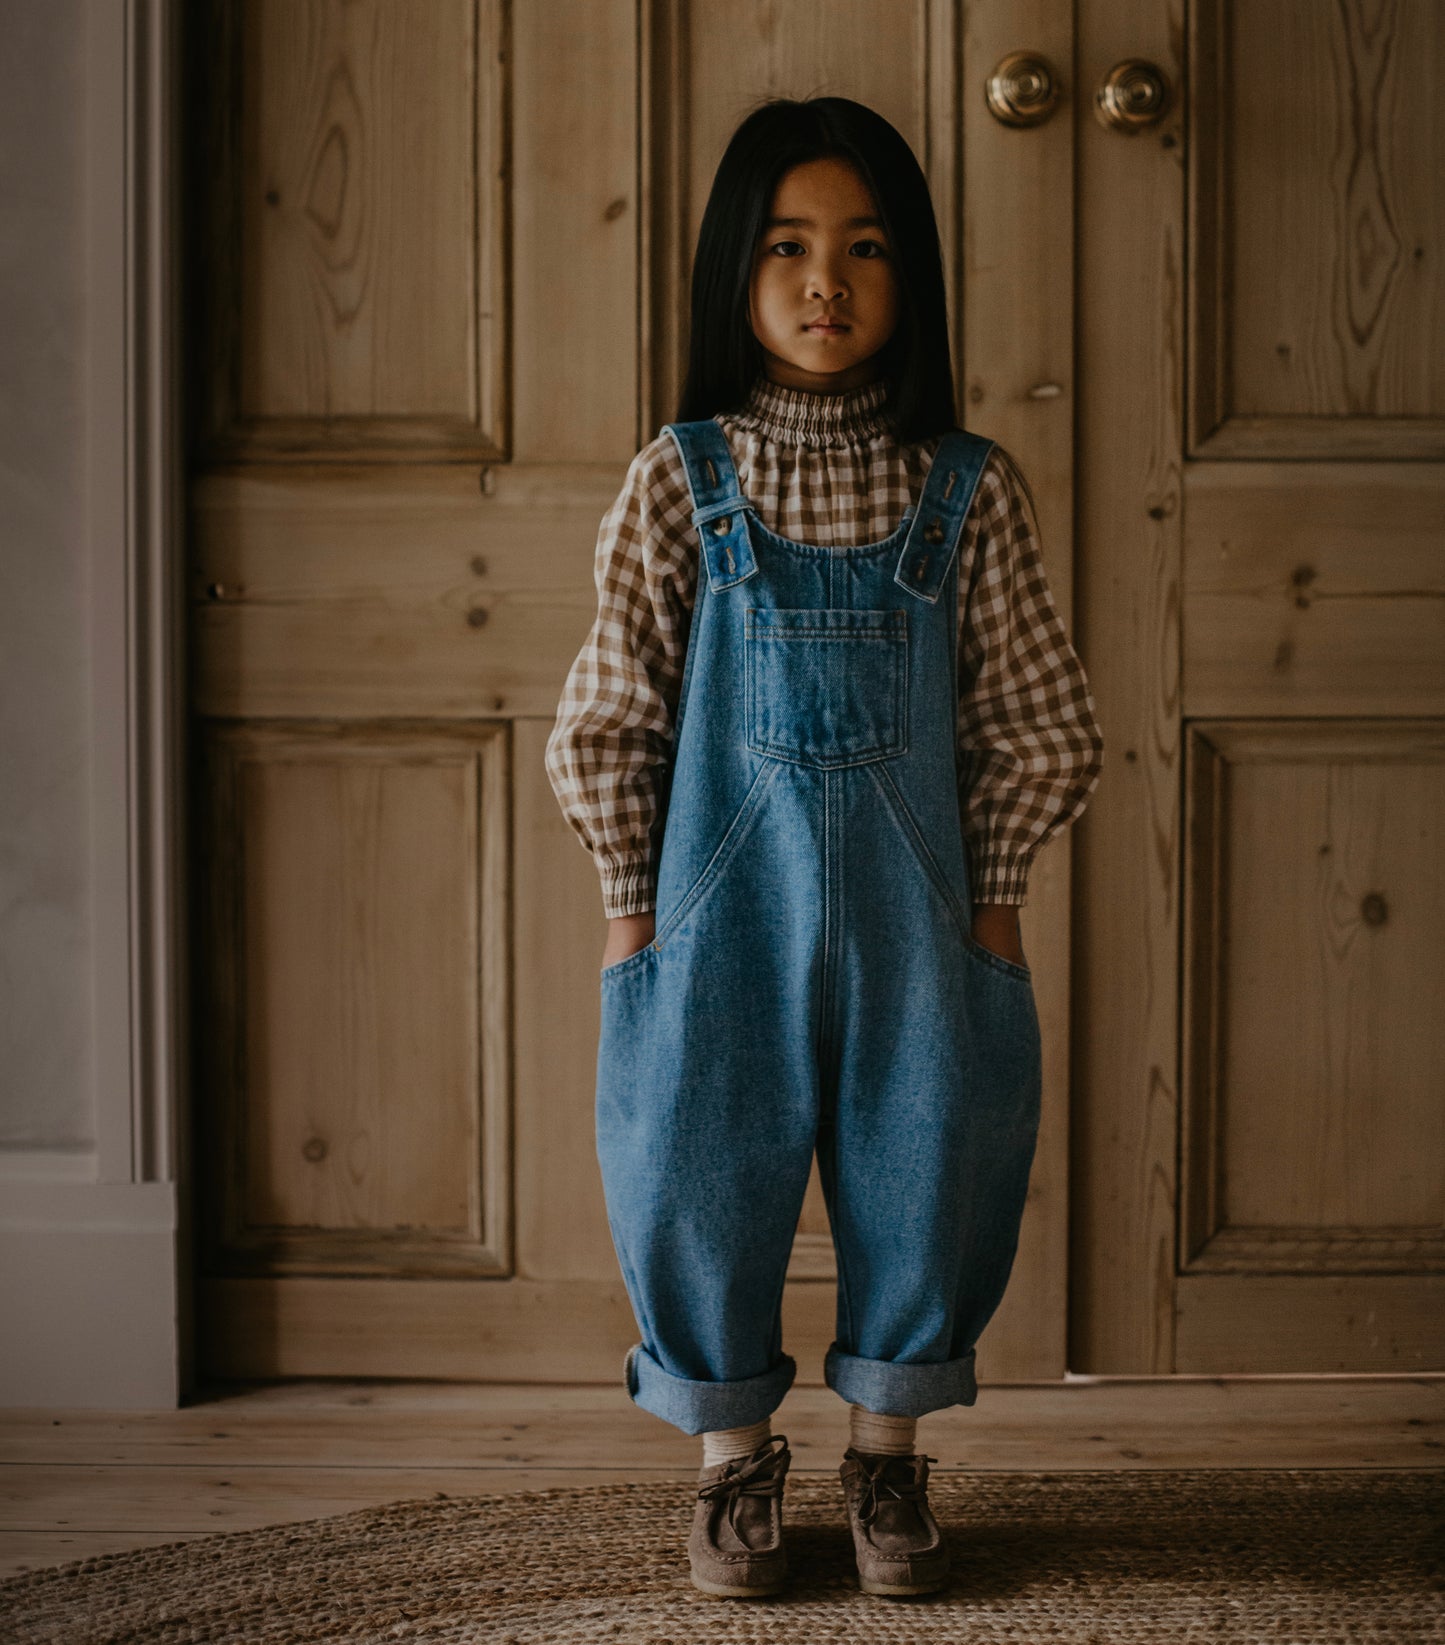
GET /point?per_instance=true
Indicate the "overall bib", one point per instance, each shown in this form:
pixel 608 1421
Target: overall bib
pixel 813 982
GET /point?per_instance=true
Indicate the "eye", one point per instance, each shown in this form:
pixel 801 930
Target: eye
pixel 778 245
pixel 876 249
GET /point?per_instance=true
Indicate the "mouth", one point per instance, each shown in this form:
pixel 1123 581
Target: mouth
pixel 826 328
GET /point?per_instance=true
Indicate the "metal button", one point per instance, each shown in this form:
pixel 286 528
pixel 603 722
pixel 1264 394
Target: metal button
pixel 722 526
pixel 933 532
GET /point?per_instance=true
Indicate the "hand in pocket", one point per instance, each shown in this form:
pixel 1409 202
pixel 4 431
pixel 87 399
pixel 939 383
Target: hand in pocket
pixel 627 935
pixel 996 927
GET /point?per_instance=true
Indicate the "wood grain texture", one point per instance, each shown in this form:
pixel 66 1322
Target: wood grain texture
pixel 562 1231
pixel 1130 364
pixel 381 591
pixel 79 1483
pixel 1313 210
pixel 1314 589
pixel 355 256
pixel 495 1330
pixel 1015 345
pixel 576 213
pixel 1314 1136
pixel 1280 1323
pixel 356 1048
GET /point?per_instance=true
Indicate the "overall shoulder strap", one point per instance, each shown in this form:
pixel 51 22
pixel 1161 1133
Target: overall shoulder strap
pixel 719 509
pixel 932 539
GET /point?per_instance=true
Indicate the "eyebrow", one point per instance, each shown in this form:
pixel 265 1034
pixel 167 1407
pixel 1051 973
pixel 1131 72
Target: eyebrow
pixel 807 222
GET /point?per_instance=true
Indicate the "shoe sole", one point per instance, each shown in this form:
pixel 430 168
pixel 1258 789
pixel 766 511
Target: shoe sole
pixel 721 1590
pixel 888 1590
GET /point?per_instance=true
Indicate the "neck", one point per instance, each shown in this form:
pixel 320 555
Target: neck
pixel 783 375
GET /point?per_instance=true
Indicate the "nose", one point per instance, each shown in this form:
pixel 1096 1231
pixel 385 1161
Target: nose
pixel 826 284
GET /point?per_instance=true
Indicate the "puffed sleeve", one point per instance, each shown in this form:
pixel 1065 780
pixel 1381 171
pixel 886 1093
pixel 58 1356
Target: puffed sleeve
pixel 609 748
pixel 1030 746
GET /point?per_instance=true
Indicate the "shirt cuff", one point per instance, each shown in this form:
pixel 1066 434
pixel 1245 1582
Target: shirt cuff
pixel 628 886
pixel 1000 876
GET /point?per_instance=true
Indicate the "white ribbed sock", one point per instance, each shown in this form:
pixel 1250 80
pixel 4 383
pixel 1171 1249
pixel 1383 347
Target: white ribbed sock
pixel 881 1435
pixel 726 1444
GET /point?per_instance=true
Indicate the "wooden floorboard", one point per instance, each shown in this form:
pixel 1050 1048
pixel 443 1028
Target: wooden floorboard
pixel 74 1484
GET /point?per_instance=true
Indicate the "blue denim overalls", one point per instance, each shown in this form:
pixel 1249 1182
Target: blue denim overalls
pixel 813 980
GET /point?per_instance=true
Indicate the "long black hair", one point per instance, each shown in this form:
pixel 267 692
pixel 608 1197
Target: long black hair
pixel 724 356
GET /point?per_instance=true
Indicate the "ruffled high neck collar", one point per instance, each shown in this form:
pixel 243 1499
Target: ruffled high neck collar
pixel 798 416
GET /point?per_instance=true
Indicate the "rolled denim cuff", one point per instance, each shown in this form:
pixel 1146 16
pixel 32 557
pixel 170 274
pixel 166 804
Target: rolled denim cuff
pixel 892 1388
pixel 704 1407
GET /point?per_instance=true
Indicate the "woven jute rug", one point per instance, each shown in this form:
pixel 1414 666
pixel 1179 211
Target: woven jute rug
pixel 1279 1555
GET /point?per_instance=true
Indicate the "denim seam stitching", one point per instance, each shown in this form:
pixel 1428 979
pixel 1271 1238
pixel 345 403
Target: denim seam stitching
pixel 904 821
pixel 824 969
pixel 700 595
pixel 694 450
pixel 845 1295
pixel 733 836
pixel 953 511
pixel 629 961
pixel 699 886
pixel 899 809
pixel 825 991
pixel 831 552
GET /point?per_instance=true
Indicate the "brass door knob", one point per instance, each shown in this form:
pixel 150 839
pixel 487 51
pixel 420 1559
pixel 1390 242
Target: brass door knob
pixel 1022 90
pixel 1135 94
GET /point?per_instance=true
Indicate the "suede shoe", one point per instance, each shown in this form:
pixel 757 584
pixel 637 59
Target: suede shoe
pixel 735 1547
pixel 896 1539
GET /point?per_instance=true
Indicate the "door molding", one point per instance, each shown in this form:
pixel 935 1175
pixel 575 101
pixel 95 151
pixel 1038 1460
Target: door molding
pixel 91 1236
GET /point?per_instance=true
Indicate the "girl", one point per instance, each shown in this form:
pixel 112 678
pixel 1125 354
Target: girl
pixel 825 718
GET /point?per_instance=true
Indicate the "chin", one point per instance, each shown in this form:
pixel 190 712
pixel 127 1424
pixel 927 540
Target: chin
pixel 826 361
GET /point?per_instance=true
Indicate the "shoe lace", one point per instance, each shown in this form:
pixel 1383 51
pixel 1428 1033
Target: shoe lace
pixel 747 1476
pixel 897 1478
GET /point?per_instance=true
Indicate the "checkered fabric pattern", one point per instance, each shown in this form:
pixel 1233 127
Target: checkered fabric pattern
pixel 826 469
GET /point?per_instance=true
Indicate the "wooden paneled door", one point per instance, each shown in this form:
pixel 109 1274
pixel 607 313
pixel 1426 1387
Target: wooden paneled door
pixel 1259 1106
pixel 437 277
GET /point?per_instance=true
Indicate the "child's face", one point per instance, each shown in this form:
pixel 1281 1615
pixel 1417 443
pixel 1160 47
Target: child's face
pixel 834 260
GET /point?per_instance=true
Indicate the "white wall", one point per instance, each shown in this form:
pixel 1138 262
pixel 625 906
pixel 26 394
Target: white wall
pixel 46 1014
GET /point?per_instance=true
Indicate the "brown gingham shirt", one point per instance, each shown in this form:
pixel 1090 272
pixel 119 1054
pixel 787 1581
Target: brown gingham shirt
pixel 824 468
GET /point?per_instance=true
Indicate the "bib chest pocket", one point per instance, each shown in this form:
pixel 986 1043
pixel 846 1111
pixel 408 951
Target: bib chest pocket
pixel 826 687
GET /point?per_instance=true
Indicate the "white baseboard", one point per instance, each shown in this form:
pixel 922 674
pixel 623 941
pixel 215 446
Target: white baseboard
pixel 88 1295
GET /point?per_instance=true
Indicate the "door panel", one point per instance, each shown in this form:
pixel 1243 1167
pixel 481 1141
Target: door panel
pixel 1316 303
pixel 1314 1131
pixel 355 254
pixel 355 1054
